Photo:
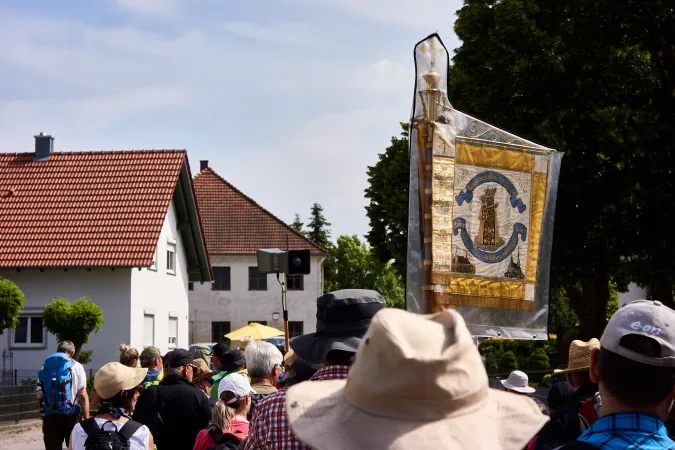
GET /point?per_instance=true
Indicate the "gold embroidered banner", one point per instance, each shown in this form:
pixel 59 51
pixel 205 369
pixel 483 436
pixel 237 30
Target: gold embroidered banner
pixel 486 218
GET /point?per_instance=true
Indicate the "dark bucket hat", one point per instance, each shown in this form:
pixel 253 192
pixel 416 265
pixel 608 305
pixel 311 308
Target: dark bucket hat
pixel 342 318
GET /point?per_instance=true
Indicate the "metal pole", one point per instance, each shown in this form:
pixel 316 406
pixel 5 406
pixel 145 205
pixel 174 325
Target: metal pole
pixel 285 312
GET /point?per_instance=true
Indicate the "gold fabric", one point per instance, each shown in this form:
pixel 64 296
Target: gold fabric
pixel 452 289
pixel 539 185
pixel 486 154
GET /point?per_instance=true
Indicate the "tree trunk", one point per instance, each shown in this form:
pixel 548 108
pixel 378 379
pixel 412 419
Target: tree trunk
pixel 662 291
pixel 590 304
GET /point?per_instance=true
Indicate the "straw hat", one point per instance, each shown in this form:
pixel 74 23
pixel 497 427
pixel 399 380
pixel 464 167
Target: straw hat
pixel 114 378
pixel 203 371
pixel 417 382
pixel 580 356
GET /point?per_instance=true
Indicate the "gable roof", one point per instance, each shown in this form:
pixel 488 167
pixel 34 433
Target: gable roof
pixel 95 209
pixel 235 224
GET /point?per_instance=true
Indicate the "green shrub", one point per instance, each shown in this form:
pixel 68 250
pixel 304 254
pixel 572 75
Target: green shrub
pixel 85 356
pixel 539 360
pixel 546 381
pixel 90 383
pixel 11 304
pixel 508 362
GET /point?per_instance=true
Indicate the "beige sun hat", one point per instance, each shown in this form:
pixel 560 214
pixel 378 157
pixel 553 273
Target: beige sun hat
pixel 417 382
pixel 580 355
pixel 115 377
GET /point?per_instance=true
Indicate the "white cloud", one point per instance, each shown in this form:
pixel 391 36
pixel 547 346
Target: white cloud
pixel 383 75
pixel 420 13
pixel 279 32
pixel 150 8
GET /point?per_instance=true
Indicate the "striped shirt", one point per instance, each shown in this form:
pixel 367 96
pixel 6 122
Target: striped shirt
pixel 628 431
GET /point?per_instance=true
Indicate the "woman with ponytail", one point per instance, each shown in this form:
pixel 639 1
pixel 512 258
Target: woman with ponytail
pixel 229 425
pixel 128 356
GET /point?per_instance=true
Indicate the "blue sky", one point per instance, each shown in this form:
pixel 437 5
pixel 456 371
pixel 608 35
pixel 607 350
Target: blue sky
pixel 289 100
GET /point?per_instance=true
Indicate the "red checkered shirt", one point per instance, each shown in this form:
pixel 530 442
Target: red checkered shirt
pixel 270 429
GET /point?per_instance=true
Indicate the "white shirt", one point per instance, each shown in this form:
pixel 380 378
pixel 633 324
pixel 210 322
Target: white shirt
pixel 139 441
pixel 78 381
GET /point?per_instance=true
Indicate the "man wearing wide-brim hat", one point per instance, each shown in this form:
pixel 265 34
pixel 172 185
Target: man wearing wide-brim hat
pixel 342 318
pixel 418 382
pixel 567 423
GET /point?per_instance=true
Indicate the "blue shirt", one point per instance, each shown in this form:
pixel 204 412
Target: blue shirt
pixel 152 375
pixel 628 431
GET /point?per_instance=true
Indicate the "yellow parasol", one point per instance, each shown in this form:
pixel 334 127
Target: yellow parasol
pixel 254 330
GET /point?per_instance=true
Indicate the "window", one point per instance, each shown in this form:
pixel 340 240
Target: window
pixel 261 322
pixel 295 329
pixel 148 330
pixel 219 330
pixel 173 332
pixel 171 258
pixel 153 266
pixel 221 279
pixel 295 282
pixel 191 286
pixel 256 281
pixel 29 332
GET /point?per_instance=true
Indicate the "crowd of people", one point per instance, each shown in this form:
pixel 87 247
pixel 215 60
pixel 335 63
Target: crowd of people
pixel 371 377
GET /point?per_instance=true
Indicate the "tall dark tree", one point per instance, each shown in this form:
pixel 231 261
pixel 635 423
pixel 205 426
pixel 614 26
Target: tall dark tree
pixel 590 78
pixel 318 227
pixel 387 209
pixel 297 224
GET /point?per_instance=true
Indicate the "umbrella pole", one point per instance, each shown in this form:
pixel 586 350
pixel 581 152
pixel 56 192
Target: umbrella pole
pixel 285 312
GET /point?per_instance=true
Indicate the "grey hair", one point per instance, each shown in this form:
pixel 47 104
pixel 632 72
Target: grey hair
pixel 261 357
pixel 173 370
pixel 66 347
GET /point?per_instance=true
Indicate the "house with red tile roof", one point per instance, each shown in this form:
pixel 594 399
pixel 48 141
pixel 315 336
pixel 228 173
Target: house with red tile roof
pixel 235 227
pixel 120 228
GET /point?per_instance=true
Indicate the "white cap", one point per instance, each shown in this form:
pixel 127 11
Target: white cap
pixel 518 381
pixel 238 384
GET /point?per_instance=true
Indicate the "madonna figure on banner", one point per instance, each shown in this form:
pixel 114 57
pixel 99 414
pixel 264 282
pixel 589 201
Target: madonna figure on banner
pixel 488 233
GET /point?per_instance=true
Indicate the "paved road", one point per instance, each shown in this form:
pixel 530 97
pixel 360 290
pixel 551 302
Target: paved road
pixel 29 439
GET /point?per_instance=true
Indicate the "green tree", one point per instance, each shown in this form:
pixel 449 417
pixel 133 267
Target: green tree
pixel 508 362
pixel 595 80
pixel 11 304
pixel 357 268
pixel 297 224
pixel 73 321
pixel 387 209
pixel 318 230
pixel 545 381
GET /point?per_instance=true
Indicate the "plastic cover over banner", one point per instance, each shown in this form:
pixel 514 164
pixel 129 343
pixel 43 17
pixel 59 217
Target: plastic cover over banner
pixel 481 209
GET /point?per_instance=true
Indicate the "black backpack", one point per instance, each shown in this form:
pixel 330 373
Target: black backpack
pixel 225 441
pixel 100 439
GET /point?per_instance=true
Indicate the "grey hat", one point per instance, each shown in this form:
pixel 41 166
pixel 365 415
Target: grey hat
pixel 645 318
pixel 342 318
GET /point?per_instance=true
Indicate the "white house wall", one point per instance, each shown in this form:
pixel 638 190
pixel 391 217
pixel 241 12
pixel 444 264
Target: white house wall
pixel 160 294
pixel 110 289
pixel 239 305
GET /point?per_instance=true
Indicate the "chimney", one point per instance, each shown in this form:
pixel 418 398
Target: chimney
pixel 203 164
pixel 44 144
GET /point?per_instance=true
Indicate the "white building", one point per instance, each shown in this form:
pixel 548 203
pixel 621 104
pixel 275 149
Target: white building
pixel 235 227
pixel 119 228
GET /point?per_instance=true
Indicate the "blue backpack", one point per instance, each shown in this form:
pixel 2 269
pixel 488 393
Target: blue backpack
pixel 55 381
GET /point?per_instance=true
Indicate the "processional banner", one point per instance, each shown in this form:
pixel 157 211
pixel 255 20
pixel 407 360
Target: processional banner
pixel 481 213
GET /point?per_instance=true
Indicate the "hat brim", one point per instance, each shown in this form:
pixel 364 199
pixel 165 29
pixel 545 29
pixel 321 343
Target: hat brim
pixel 204 376
pixel 322 417
pixel 568 370
pixel 313 348
pixel 133 377
pixel 521 389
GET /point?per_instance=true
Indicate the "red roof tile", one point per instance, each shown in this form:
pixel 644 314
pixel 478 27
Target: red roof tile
pixel 235 223
pixel 85 209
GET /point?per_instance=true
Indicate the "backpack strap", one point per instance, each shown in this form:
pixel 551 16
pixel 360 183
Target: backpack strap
pixel 90 426
pixel 129 429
